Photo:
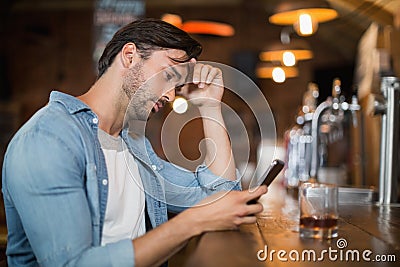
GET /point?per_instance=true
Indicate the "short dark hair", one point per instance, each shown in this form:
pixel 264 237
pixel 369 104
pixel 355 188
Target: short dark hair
pixel 149 35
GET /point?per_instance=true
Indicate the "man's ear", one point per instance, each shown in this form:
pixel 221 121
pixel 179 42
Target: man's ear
pixel 129 55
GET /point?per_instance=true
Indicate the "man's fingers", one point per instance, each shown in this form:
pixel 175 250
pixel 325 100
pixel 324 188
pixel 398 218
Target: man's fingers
pixel 256 194
pixel 212 74
pixel 205 70
pixel 197 73
pixel 254 209
pixel 204 74
pixel 248 220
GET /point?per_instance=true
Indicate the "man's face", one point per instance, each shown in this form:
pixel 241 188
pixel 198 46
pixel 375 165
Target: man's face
pixel 151 83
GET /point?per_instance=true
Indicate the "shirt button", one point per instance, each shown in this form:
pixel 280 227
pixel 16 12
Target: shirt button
pixel 105 182
pixel 154 167
pixel 95 120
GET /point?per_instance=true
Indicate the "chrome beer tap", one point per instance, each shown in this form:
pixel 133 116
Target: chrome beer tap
pixel 299 140
pixel 388 107
pixel 334 127
pixel 331 109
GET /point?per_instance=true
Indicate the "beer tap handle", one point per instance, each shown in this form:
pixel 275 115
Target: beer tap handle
pixel 376 105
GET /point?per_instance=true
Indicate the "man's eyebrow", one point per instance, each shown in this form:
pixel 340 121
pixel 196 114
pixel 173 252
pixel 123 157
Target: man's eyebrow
pixel 176 72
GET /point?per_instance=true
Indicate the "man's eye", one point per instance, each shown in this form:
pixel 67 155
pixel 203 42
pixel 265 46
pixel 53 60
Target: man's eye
pixel 168 76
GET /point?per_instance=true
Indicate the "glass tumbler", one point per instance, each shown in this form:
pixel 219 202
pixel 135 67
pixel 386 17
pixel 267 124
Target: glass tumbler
pixel 318 210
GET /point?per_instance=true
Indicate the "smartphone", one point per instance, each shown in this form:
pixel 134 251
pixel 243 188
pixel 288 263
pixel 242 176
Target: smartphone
pixel 271 173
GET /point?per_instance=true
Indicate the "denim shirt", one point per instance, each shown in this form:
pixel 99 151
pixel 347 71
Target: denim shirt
pixel 55 189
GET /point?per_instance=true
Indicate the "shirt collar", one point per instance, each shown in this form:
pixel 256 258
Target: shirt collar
pixel 136 142
pixel 71 103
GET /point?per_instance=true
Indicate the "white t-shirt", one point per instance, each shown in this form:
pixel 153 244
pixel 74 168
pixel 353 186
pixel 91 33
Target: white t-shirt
pixel 125 214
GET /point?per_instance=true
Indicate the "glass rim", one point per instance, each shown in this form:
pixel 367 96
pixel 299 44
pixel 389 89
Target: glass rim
pixel 317 185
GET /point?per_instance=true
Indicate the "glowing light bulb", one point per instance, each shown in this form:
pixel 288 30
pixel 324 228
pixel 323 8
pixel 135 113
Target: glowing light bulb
pixel 180 105
pixel 305 25
pixel 288 58
pixel 278 75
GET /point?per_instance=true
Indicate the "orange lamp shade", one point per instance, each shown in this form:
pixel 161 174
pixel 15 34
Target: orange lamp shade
pixel 274 51
pixel 200 26
pixel 263 71
pixel 287 12
pixel 208 27
pixel 291 17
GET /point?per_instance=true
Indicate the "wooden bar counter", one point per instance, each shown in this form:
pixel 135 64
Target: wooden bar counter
pixel 369 235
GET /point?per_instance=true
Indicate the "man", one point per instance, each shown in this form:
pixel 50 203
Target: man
pixel 81 189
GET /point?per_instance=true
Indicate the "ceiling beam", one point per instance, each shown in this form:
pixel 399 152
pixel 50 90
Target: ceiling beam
pixel 367 9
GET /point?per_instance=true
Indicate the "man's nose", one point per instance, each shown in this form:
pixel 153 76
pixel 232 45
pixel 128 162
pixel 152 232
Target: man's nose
pixel 170 95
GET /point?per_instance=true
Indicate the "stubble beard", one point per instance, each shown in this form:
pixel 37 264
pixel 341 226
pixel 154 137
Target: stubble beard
pixel 138 94
pixel 132 81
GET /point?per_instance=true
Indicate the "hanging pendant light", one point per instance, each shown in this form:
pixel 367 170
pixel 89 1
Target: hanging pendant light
pixel 278 73
pixel 303 15
pixel 288 54
pixel 200 26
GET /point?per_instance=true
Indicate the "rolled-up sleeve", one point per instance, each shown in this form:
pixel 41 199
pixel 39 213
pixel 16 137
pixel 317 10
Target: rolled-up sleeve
pixel 209 180
pixel 184 189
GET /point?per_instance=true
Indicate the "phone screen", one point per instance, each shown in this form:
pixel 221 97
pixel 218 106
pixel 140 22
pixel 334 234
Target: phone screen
pixel 273 170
